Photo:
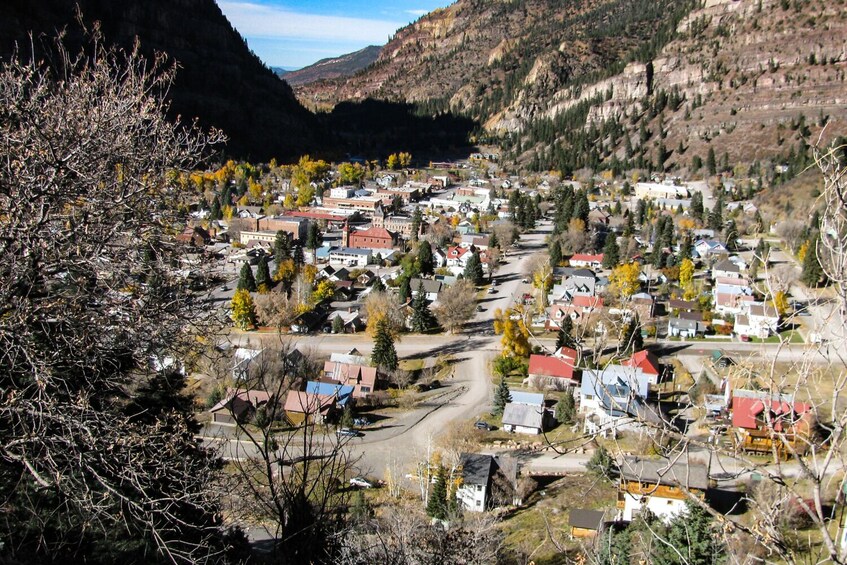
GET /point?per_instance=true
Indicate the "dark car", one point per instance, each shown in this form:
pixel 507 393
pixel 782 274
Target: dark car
pixel 483 426
pixel 348 432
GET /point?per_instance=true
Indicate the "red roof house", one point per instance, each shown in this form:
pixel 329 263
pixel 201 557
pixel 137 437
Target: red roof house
pixel 645 361
pixel 551 372
pixel 586 260
pixel 763 422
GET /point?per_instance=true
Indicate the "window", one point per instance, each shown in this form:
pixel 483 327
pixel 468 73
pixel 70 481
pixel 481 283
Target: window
pixel 479 503
pixel 366 389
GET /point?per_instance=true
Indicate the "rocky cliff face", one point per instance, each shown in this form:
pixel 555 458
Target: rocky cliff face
pixel 220 81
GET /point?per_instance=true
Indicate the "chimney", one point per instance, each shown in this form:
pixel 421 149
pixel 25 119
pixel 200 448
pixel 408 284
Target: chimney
pixel 345 235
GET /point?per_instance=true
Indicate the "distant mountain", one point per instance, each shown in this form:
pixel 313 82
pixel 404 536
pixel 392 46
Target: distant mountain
pixel 220 81
pixel 650 84
pixel 335 67
pixel 279 71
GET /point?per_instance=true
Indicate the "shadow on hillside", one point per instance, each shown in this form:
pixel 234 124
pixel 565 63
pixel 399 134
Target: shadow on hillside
pixel 377 127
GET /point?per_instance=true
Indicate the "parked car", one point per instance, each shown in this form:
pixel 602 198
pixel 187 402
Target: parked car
pixel 361 482
pixel 483 426
pixel 479 308
pixel 491 290
pixel 348 432
pixel 524 280
pixel 361 421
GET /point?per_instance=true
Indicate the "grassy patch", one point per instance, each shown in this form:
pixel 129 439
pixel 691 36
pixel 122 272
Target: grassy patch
pixel 548 509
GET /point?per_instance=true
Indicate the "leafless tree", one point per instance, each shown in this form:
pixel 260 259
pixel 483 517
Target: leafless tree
pixel 456 305
pixel 290 473
pixel 276 309
pixel 91 448
pixel 385 305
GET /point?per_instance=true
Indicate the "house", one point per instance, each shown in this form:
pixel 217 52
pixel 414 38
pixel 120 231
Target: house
pixel 587 304
pixel 644 305
pixel 457 256
pixel 340 392
pixel 465 227
pixel 595 381
pixel 237 407
pixel 683 305
pixel 525 414
pixel 586 523
pixel 706 248
pixel 351 320
pixel 680 327
pixel 302 407
pixel 762 422
pixel 759 320
pixel 439 258
pixel 362 378
pixel 587 260
pixel 556 373
pixel 615 398
pixel 660 485
pixel 726 269
pixel 478 240
pixel 352 357
pixel 196 236
pixel 644 360
pixel 729 297
pixel 475 490
pixel 431 288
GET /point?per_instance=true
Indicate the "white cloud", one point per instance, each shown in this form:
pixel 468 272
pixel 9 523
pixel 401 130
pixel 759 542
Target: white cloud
pixel 418 13
pixel 256 20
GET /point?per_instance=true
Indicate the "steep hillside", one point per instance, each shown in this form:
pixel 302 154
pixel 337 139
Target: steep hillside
pixel 220 80
pixel 336 67
pixel 480 57
pixel 647 84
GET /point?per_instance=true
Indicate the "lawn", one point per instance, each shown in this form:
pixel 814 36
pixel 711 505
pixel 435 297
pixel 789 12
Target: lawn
pixel 547 510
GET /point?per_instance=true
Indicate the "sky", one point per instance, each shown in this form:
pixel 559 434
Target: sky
pixel 296 33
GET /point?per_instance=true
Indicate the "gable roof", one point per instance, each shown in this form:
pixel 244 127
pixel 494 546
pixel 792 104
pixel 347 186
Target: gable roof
pixel 380 233
pixel 586 519
pixel 532 398
pixel 525 415
pixel 587 301
pixel 305 403
pixel 726 265
pixel 587 258
pixel 349 373
pixel 476 468
pixel 748 411
pixel 340 392
pixel 645 360
pixel 664 472
pixel 550 367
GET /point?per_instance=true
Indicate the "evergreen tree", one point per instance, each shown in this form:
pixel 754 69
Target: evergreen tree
pixel 611 252
pixel 263 274
pixel 425 261
pixel 689 539
pixel 215 213
pixel 282 247
pixel 417 220
pixel 696 205
pixel 404 289
pixel 565 336
pixel 314 239
pixel 615 547
pixel 421 316
pixel 337 325
pixel 555 253
pixel 730 236
pixel 492 240
pixel 601 463
pixel 685 247
pixel 298 255
pixel 246 281
pixel 473 269
pixel 812 274
pixel 384 355
pixel 632 340
pixel 502 396
pixel 566 408
pixel 436 505
pixel 711 162
pixel 378 285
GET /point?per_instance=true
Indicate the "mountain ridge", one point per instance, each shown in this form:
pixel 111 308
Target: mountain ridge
pixel 334 67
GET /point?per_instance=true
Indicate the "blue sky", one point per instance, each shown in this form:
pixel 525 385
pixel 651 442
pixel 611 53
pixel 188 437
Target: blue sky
pixel 296 33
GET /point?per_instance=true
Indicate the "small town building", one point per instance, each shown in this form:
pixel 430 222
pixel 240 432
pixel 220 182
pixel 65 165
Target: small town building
pixel 660 485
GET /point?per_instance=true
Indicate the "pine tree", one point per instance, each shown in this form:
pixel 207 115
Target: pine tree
pixel 502 396
pixel 404 289
pixel 711 162
pixel 425 258
pixel 314 239
pixel 601 463
pixel 384 354
pixel 565 336
pixel 378 285
pixel 473 269
pixel 492 240
pixel 812 274
pixel 611 252
pixel 689 539
pixel 282 247
pixel 421 316
pixel 246 281
pixel 566 408
pixel 555 254
pixel 337 325
pixel 263 275
pixel 436 505
pixel 215 213
pixel 417 220
pixel 298 255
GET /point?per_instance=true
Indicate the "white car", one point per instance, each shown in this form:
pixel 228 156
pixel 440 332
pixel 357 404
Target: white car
pixel 361 482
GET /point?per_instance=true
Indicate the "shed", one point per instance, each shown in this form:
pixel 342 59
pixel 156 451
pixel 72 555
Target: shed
pixel 586 523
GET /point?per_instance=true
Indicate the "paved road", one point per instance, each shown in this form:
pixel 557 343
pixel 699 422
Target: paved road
pixel 464 396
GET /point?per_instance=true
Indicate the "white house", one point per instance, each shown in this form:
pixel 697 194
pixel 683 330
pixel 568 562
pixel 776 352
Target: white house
pixel 659 485
pixel 350 256
pixel 726 269
pixel 525 413
pixel 475 489
pixel 758 320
